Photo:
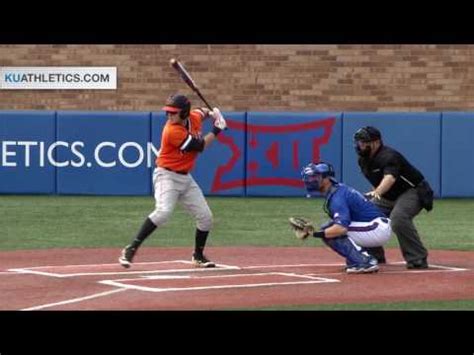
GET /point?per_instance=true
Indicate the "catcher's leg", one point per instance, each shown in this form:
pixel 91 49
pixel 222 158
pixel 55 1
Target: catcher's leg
pixel 357 260
pixel 378 252
pixel 371 236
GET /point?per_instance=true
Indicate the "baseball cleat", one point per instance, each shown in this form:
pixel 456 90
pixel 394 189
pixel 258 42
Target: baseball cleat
pixel 127 256
pixel 369 267
pixel 202 261
pixel 364 269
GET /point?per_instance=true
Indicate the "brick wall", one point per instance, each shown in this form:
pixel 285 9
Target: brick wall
pixel 259 77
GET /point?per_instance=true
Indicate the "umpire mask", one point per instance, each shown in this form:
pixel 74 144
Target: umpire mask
pixel 365 152
pixel 365 135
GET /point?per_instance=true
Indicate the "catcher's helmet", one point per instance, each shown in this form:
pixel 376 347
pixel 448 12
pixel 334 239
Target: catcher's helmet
pixel 178 103
pixel 313 173
pixel 367 134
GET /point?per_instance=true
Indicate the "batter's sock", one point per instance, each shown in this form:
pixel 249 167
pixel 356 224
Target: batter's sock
pixel 147 228
pixel 201 237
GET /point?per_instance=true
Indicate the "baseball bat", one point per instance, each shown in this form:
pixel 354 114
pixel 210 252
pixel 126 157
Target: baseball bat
pixel 183 73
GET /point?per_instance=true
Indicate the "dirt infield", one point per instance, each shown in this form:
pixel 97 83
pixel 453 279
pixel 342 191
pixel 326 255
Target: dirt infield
pixel 246 277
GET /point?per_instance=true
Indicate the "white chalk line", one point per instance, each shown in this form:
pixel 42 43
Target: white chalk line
pixel 220 267
pixel 177 277
pixel 435 266
pixel 314 280
pixel 74 300
pixel 106 265
pixel 287 265
pixel 433 269
pixel 33 270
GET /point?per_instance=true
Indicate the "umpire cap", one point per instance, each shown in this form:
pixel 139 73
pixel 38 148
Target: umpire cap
pixel 367 134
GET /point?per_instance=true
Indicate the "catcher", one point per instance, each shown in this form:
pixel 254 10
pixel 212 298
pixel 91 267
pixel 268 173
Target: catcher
pixel 356 223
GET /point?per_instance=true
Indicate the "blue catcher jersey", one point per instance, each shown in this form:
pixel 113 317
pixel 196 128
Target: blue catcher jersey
pixel 344 205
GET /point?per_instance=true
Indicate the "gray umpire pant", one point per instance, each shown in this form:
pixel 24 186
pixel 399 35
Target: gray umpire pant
pixel 402 212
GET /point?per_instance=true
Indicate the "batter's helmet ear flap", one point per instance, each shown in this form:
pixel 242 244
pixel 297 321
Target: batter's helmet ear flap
pixel 184 113
pixel 178 102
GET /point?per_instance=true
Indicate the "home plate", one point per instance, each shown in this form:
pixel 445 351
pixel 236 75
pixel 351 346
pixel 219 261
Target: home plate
pixel 194 283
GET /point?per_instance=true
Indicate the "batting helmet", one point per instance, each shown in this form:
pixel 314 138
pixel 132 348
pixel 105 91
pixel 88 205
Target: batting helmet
pixel 313 173
pixel 178 103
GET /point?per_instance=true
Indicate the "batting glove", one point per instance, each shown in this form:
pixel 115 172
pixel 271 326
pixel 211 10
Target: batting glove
pixel 219 120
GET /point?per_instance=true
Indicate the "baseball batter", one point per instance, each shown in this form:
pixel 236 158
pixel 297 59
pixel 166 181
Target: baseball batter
pixel 181 143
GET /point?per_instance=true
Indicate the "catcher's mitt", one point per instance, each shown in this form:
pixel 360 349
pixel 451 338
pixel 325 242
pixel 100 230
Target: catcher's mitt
pixel 301 226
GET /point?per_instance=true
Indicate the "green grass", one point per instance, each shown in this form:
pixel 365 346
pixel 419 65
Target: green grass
pixel 36 222
pixel 39 222
pixel 459 305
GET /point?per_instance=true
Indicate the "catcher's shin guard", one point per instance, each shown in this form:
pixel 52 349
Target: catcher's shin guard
pixel 345 247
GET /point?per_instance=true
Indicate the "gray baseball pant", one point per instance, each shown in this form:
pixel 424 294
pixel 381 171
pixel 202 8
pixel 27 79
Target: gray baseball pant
pixel 170 188
pixel 403 211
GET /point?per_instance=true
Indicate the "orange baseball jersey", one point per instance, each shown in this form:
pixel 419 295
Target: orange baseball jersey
pixel 174 140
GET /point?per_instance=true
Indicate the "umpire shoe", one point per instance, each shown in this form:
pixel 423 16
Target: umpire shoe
pixel 127 256
pixel 201 261
pixel 418 264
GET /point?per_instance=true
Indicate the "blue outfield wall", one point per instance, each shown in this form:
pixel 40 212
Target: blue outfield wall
pixel 27 138
pixel 220 170
pixel 261 154
pixel 280 143
pixel 111 149
pixel 457 154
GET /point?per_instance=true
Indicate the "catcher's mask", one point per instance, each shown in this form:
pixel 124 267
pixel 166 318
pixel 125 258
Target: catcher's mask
pixel 178 103
pixel 366 135
pixel 313 173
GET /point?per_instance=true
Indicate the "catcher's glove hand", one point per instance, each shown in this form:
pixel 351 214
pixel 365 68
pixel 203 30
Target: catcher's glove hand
pixel 301 226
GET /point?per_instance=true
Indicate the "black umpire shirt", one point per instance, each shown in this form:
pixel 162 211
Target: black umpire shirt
pixel 388 161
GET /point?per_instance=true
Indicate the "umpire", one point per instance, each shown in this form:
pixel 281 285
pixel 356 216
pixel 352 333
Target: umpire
pixel 400 191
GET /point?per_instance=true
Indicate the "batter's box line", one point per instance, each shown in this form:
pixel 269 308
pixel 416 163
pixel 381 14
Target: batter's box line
pixel 180 277
pixel 313 280
pixel 433 269
pixel 33 270
pixel 434 266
